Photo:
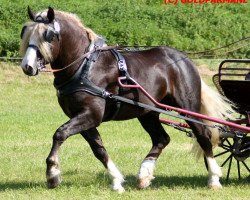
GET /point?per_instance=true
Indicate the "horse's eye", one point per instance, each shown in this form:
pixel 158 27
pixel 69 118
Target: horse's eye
pixel 22 32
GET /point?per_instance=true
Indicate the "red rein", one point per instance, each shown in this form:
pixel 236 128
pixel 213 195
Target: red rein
pixel 79 59
pixel 53 70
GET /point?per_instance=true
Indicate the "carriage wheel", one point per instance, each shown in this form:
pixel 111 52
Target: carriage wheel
pixel 235 150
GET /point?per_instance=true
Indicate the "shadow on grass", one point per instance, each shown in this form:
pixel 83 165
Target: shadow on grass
pixel 12 185
pixel 103 180
pixel 175 181
pixel 7 186
pixel 170 182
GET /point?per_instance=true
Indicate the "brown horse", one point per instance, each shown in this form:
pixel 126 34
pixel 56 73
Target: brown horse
pixel 82 72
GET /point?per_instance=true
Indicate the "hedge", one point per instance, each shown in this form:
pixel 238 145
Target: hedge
pixel 188 27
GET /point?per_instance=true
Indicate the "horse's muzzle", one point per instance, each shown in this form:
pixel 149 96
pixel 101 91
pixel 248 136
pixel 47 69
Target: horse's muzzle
pixel 30 71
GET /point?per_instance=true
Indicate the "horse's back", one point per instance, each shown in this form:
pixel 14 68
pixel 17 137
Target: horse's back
pixel 163 71
pixel 162 59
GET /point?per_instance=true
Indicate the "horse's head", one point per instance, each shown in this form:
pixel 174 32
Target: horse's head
pixel 40 41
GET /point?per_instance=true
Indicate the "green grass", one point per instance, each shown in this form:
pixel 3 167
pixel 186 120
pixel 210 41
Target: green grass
pixel 29 115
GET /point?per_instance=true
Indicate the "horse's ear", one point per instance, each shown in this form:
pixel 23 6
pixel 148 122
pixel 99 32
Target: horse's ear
pixel 51 14
pixel 31 14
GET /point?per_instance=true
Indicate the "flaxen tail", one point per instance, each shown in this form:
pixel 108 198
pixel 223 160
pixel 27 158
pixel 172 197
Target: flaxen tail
pixel 214 105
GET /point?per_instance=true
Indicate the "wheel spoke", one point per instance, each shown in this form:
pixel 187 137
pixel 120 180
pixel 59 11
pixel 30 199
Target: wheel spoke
pixel 229 167
pixel 226 146
pixel 222 153
pixel 226 160
pixel 238 167
pixel 228 142
pixel 246 166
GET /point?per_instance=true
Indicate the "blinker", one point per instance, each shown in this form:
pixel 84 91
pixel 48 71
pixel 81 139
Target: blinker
pixel 22 32
pixel 51 32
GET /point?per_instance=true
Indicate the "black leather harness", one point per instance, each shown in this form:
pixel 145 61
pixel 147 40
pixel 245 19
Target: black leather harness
pixel 80 81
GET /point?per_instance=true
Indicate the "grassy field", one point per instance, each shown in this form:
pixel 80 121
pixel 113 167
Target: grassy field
pixel 29 115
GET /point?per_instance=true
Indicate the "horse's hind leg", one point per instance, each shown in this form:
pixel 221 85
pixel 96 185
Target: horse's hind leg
pixel 94 139
pixel 190 98
pixel 203 136
pixel 160 140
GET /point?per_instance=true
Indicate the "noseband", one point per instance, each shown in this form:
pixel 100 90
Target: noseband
pixel 33 47
pixel 40 59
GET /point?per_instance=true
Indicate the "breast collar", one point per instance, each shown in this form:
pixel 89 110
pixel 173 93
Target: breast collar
pixel 80 81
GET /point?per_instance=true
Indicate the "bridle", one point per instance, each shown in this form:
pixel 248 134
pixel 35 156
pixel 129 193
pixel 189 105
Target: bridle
pixel 54 30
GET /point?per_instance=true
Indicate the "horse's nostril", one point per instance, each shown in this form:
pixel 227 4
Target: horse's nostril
pixel 29 69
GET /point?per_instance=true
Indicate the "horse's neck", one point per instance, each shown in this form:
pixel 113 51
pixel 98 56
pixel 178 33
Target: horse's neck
pixel 73 46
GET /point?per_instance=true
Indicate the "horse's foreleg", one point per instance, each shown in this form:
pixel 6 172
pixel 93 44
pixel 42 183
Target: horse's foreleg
pixel 160 140
pixel 75 125
pixel 94 139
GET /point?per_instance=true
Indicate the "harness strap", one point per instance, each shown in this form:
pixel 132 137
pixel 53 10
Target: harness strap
pixel 122 66
pixel 155 109
pixel 98 44
pixel 79 81
pixel 123 72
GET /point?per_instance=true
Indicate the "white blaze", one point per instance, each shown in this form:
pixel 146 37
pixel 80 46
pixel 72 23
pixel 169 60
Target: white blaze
pixel 29 58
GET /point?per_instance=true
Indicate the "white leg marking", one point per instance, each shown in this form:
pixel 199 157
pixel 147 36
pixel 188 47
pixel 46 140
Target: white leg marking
pixel 117 177
pixel 53 172
pixel 146 172
pixel 214 174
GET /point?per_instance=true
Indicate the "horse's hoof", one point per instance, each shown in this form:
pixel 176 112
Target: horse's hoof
pixel 119 190
pixel 117 187
pixel 215 187
pixel 144 183
pixel 214 183
pixel 54 181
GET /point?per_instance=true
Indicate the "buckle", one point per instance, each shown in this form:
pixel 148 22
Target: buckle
pixel 122 65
